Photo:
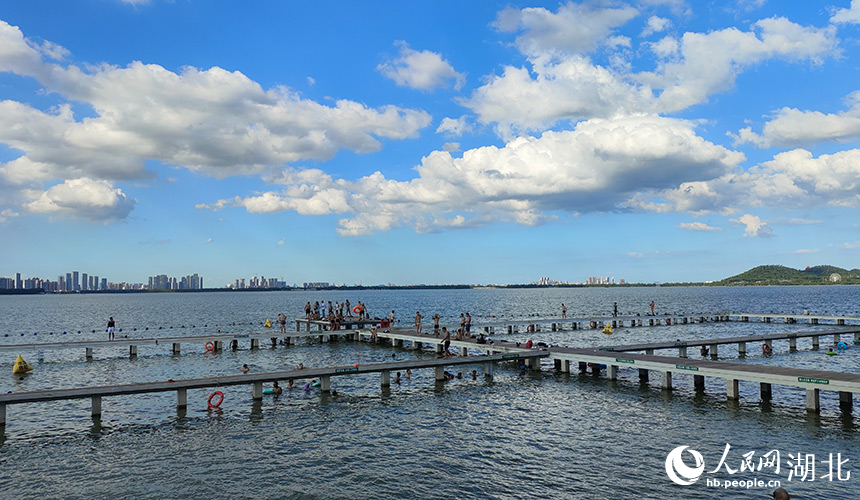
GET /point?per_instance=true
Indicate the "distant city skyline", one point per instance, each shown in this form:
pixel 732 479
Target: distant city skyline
pixel 662 141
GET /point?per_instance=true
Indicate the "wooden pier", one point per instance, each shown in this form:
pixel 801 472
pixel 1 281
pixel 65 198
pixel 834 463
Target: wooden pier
pixel 256 380
pixel 765 339
pixel 812 381
pixel 610 358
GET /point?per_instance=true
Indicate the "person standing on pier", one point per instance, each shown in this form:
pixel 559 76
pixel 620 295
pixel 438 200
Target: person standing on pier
pixel 436 319
pixel 652 307
pixel 563 311
pixel 462 322
pixel 111 328
pixel 282 320
pixel 615 309
pixel 308 310
pixel 418 319
pixel 446 342
pixel 348 309
pixel 468 329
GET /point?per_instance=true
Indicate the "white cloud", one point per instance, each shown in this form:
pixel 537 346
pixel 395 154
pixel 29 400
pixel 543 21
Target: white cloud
pixel 793 127
pixel 655 24
pixel 806 250
pixel 8 213
pixel 572 89
pixel 94 200
pixel 710 62
pixel 851 15
pixel 561 83
pixel 281 242
pixel 754 226
pixel 454 127
pixel 213 121
pixel 574 28
pixel 422 70
pixel 451 147
pixel 698 226
pixel 851 245
pixel 595 167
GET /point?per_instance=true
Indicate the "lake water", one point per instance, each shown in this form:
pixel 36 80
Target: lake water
pixel 540 434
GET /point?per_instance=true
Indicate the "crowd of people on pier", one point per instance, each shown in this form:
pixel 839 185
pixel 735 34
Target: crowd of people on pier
pixel 336 313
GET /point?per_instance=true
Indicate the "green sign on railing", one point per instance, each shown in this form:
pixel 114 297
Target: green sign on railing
pixel 813 380
pixel 685 367
pixel 510 356
pixel 346 370
pixel 622 360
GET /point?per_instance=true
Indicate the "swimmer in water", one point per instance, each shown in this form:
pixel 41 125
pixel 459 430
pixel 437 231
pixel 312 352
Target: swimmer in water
pixel 244 369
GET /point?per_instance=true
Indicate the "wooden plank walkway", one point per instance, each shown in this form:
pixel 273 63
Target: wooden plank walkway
pixel 324 374
pixel 808 317
pixel 766 338
pixel 813 381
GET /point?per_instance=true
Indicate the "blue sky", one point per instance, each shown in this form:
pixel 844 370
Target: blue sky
pixel 427 142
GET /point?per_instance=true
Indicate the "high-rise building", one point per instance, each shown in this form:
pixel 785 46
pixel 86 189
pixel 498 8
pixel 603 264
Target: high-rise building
pixel 76 282
pixel 18 282
pixel 104 284
pixel 84 281
pixel 69 285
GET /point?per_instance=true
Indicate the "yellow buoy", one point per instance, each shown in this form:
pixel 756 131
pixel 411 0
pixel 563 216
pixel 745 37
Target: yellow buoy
pixel 607 329
pixel 268 323
pixel 21 366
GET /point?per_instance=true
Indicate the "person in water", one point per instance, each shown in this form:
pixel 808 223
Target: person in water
pixel 244 369
pixel 276 389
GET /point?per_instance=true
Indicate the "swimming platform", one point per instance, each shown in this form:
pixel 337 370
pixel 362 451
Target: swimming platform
pixel 607 360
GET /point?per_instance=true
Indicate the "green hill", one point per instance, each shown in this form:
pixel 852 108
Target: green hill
pixel 781 275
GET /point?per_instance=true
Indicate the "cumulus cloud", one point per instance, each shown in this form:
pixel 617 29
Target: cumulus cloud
pixel 94 200
pixel 574 28
pixel 655 24
pixel 794 127
pixel 710 62
pixel 753 226
pixel 7 214
pixel 454 127
pixel 422 70
pixel 213 121
pixel 594 168
pixel 560 81
pixel 698 226
pixel 850 15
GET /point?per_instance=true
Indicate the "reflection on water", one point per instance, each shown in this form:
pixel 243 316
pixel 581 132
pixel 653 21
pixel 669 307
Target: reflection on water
pixel 543 434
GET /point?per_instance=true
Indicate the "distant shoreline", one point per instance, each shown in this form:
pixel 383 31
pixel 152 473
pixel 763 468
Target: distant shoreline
pixel 40 291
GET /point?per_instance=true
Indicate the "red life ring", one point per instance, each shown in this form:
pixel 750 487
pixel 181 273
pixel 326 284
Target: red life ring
pixel 210 346
pixel 356 309
pixel 218 402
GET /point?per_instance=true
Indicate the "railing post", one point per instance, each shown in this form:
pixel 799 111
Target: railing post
pixel 812 402
pixel 325 383
pixel 257 391
pixel 766 391
pixel 181 398
pixel 489 368
pixel 732 393
pixel 89 353
pixel 2 414
pixel 440 373
pixel 666 383
pixel 176 348
pixel 97 406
